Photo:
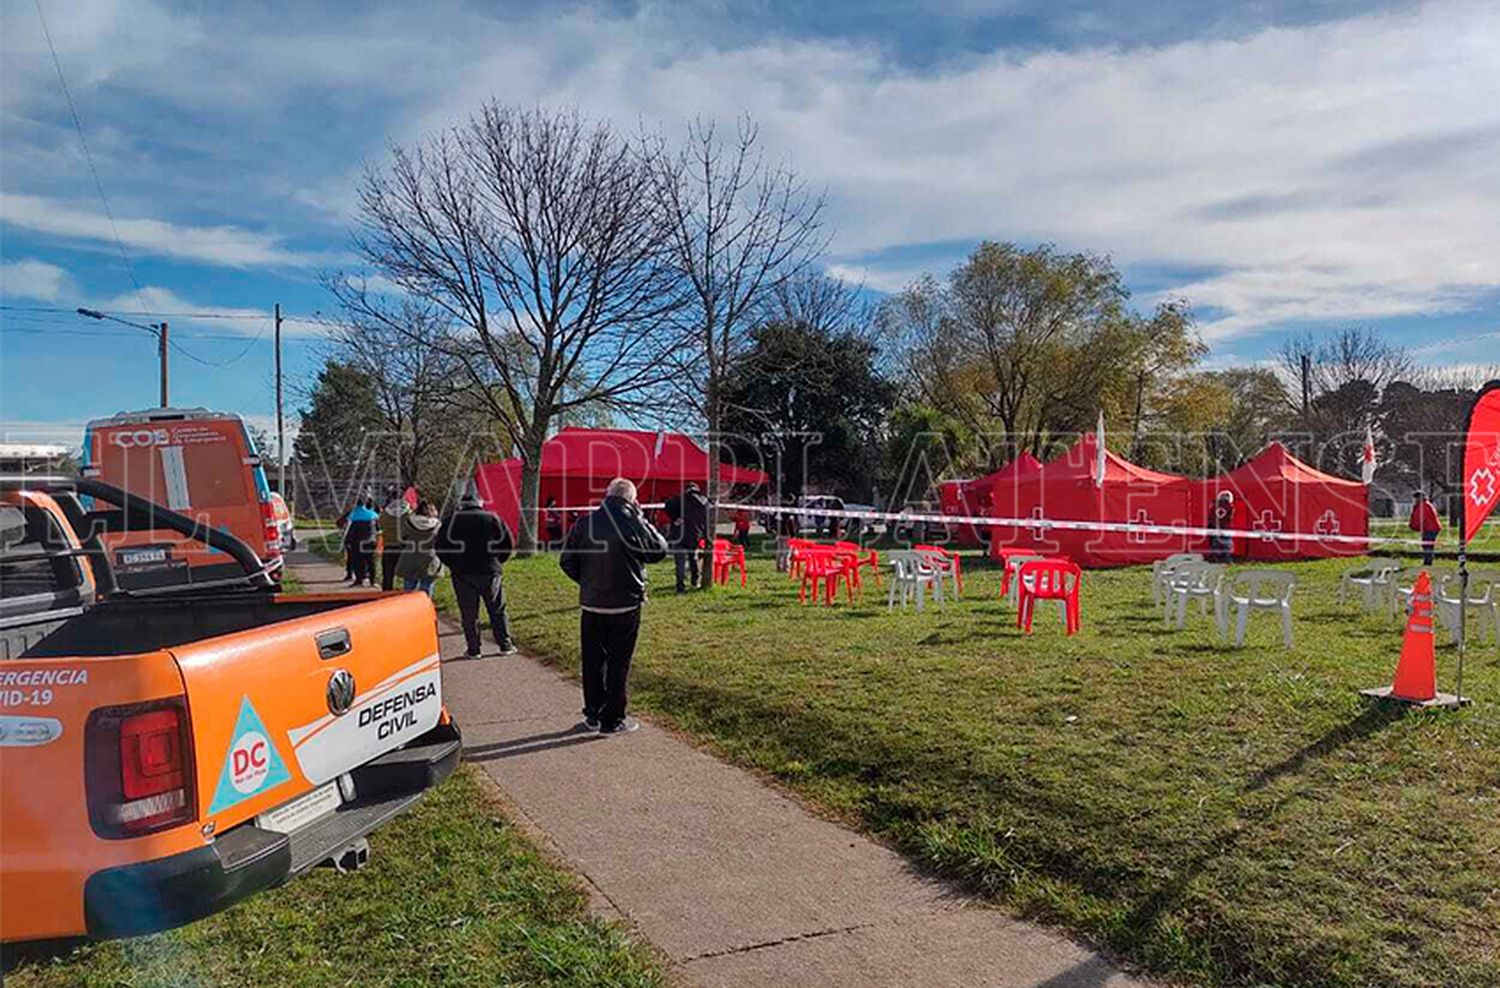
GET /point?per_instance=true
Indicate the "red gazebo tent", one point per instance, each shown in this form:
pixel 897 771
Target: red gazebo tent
pixel 1064 489
pixel 578 463
pixel 979 497
pixel 1276 492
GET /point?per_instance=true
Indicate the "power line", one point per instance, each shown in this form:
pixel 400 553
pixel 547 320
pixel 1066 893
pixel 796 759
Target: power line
pixel 315 317
pixel 222 363
pixel 89 157
pixel 106 334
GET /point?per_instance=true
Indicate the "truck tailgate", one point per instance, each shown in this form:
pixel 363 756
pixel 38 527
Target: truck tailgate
pixel 279 710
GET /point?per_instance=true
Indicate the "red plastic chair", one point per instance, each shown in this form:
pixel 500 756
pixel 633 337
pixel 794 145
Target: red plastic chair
pixel 797 553
pixel 1049 579
pixel 825 567
pixel 728 556
pixel 863 559
pixel 1004 554
pixel 945 560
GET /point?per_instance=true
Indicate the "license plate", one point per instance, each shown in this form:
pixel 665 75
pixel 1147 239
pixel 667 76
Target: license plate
pixel 143 557
pixel 301 811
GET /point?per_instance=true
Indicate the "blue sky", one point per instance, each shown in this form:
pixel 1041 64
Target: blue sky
pixel 1282 165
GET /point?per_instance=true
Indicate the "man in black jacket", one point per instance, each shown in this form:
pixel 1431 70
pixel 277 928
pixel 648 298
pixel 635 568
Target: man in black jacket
pixel 689 514
pixel 473 543
pixel 606 555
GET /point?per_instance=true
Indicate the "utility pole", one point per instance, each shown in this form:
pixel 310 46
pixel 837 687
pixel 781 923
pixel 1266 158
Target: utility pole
pixel 1306 385
pixel 280 418
pixel 161 351
pixel 159 330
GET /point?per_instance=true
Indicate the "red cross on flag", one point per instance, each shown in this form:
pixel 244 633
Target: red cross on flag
pixel 1367 456
pixel 1481 478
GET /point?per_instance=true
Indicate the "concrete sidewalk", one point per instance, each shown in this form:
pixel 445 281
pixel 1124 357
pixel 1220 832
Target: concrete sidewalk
pixel 735 883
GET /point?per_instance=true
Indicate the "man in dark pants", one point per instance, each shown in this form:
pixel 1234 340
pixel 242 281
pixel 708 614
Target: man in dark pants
pixel 1424 519
pixel 606 555
pixel 473 543
pixel 689 514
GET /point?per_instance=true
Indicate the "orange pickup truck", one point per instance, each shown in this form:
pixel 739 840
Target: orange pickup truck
pixel 167 752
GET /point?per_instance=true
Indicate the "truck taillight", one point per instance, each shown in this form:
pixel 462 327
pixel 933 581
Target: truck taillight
pixel 272 531
pixel 138 764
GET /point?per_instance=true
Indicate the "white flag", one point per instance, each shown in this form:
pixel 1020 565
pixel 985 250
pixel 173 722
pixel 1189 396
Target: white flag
pixel 1367 457
pixel 1099 451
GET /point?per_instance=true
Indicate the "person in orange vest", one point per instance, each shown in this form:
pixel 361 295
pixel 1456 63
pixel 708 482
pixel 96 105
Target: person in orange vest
pixel 1424 519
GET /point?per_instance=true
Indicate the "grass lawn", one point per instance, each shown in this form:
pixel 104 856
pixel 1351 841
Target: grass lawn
pixel 453 895
pixel 1235 817
pixel 1486 540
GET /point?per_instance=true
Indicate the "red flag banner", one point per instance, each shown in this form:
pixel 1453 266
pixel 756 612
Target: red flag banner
pixel 1481 480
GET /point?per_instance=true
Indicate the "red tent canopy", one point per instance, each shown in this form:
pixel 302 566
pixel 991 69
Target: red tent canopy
pixel 1276 492
pixel 1065 490
pixel 977 497
pixel 578 463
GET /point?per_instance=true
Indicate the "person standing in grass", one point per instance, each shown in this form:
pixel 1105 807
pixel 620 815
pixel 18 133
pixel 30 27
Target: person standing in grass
pixel 689 514
pixel 1424 519
pixel 606 555
pixel 474 544
pixel 395 509
pixel 419 566
pixel 1221 545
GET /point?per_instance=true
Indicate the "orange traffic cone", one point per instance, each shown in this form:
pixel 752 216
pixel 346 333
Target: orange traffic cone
pixel 1416 669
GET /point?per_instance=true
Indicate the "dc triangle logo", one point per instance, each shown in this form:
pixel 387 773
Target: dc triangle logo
pixel 252 765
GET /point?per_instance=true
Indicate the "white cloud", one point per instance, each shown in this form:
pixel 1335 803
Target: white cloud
pixel 1341 170
pixel 156 302
pixel 229 246
pixel 30 278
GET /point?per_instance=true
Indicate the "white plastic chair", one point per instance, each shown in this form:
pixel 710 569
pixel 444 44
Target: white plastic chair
pixel 1161 571
pixel 946 567
pixel 912 574
pixel 1261 590
pixel 1481 603
pixel 1203 582
pixel 1371 580
pixel 1401 588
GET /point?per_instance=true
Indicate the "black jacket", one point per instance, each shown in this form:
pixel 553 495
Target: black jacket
pixel 606 555
pixel 689 514
pixel 474 542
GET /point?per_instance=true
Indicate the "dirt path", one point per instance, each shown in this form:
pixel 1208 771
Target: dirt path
pixel 736 884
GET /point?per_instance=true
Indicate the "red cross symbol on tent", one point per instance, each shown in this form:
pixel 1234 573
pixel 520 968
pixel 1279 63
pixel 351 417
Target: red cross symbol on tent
pixel 1141 518
pixel 1328 524
pixel 1036 530
pixel 1267 522
pixel 1482 487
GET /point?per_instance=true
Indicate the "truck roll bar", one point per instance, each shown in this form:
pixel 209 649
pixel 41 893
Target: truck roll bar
pixel 135 513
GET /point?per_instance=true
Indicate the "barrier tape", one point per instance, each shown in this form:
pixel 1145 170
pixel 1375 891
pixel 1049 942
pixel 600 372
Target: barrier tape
pixel 1046 524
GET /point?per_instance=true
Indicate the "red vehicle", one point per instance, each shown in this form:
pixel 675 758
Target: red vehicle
pixel 200 463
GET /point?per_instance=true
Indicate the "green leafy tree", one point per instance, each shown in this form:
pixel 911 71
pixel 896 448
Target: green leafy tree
pixel 1029 345
pixel 816 396
pixel 334 448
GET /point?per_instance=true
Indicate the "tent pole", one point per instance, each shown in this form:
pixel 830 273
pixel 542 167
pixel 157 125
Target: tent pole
pixel 1463 611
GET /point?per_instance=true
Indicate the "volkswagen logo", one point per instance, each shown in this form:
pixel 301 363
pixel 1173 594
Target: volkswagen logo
pixel 340 691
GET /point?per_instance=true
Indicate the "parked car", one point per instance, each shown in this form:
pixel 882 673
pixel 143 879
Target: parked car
pixel 194 461
pixel 169 751
pixel 913 532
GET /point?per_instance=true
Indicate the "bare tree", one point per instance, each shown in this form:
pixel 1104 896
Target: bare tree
pixel 537 235
pixel 825 305
pixel 1314 367
pixel 739 229
pixel 399 345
